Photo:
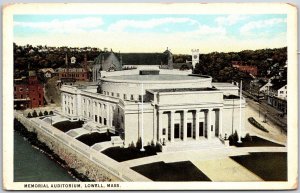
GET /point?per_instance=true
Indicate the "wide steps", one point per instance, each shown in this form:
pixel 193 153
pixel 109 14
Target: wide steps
pixel 192 145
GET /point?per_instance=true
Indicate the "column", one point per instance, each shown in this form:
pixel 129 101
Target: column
pixel 160 126
pixel 154 125
pixel 184 125
pixel 209 124
pixel 197 124
pixel 74 105
pixel 172 125
pixel 63 106
pixel 107 114
pixel 221 122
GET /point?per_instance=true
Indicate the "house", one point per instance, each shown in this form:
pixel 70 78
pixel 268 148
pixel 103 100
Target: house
pixel 47 72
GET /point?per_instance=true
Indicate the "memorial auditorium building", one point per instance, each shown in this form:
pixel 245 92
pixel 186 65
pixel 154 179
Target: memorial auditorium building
pixel 157 106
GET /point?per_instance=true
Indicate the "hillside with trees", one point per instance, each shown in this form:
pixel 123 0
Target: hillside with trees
pixel 216 64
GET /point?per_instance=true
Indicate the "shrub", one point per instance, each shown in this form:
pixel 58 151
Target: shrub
pixel 34 114
pixel 29 115
pixel 40 113
pixel 45 112
pixel 257 124
pixel 51 113
pixel 248 137
pixel 233 138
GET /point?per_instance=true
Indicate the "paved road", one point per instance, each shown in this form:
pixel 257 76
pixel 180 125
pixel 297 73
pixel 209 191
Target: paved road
pixel 271 113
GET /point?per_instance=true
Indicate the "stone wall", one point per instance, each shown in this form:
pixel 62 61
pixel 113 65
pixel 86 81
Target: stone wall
pixel 74 159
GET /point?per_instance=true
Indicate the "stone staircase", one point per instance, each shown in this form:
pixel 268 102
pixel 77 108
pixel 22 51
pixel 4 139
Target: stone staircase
pixel 214 143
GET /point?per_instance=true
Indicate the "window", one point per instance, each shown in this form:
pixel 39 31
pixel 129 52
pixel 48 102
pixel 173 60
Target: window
pixel 104 106
pixel 15 89
pixel 118 94
pixel 104 120
pixel 40 95
pixel 281 92
pixel 140 97
pixel 96 118
pixel 125 97
pixel 108 93
pixel 21 89
pixel 164 131
pixel 112 94
pixel 100 119
pixel 22 97
pixel 131 97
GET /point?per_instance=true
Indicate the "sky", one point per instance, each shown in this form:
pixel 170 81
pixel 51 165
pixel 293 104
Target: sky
pixel 154 32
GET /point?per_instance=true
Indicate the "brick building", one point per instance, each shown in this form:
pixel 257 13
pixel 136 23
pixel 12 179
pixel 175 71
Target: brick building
pixel 243 67
pixel 28 92
pixel 74 71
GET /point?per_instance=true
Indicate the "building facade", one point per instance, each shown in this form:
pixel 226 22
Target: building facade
pixel 166 107
pixel 72 70
pixel 241 66
pixel 28 92
pixel 106 61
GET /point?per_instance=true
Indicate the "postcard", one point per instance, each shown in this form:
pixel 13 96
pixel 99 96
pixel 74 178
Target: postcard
pixel 150 96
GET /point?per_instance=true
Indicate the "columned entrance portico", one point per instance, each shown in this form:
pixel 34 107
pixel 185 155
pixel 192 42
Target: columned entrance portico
pixel 186 125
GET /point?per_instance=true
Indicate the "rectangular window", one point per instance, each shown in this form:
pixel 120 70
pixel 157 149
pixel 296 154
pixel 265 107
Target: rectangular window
pixel 131 97
pixel 96 118
pixel 125 97
pixel 104 120
pixel 100 119
pixel 118 94
pixel 140 97
pixel 112 94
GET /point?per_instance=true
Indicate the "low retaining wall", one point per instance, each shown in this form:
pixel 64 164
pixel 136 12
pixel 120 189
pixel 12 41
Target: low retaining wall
pixel 77 155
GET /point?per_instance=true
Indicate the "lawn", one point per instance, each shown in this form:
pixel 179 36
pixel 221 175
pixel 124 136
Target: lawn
pixel 91 139
pixel 66 126
pixel 123 154
pixel 257 142
pixel 178 171
pixel 270 166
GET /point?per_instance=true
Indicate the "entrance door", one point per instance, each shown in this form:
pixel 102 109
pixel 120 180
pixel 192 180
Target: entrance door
pixel 201 129
pixel 176 130
pixel 189 129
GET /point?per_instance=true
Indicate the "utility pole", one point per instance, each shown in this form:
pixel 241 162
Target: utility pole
pixel 240 123
pixel 142 132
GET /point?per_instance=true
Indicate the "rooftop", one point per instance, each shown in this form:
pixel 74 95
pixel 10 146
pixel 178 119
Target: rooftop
pixel 184 89
pixel 160 77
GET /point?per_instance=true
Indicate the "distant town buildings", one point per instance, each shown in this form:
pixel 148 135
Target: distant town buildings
pixel 28 92
pixel 243 67
pixel 73 70
pixel 47 72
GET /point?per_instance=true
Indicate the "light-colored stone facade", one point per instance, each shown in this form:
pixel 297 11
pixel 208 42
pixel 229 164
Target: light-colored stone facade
pixel 175 107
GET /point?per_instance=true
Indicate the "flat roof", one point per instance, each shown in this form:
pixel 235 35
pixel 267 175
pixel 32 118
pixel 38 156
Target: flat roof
pixel 159 77
pixel 184 89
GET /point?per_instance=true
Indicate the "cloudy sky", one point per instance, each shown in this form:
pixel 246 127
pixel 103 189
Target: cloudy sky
pixel 153 33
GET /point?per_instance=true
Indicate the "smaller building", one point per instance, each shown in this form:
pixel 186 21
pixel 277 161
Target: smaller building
pixel 47 72
pixel 243 67
pixel 277 97
pixel 106 61
pixel 28 92
pixel 73 70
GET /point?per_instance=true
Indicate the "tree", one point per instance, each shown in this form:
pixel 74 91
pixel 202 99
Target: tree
pixel 34 114
pixel 29 115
